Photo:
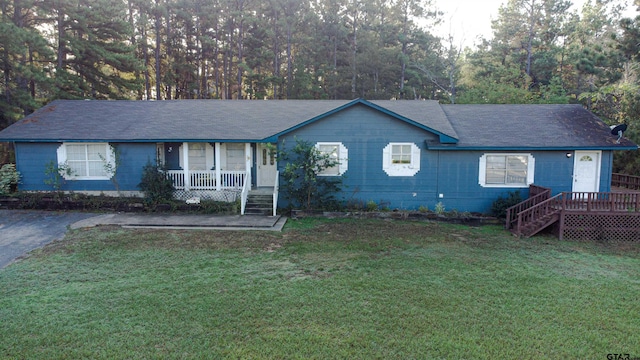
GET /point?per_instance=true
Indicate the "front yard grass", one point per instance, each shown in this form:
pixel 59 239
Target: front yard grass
pixel 323 289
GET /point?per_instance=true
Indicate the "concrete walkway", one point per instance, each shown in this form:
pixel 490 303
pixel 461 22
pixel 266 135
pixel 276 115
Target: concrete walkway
pixel 173 221
pixel 22 231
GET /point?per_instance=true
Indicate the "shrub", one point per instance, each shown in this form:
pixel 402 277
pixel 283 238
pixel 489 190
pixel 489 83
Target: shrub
pixel 302 185
pixel 9 179
pixel 155 185
pixel 501 204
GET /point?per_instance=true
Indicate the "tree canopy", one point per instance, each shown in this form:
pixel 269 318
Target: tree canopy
pixel 541 51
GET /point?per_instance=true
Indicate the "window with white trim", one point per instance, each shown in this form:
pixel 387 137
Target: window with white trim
pixel 200 156
pixel 197 156
pixel 86 161
pixel 401 159
pixel 337 151
pixel 506 170
pixel 235 156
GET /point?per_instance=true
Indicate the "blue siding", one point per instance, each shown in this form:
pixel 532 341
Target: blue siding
pixel 606 171
pixel 365 132
pixel 32 160
pixel 459 183
pixel 453 174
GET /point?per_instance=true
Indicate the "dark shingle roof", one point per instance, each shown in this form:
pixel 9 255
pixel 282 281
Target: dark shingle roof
pixel 530 126
pixel 194 119
pixel 164 120
pixel 472 126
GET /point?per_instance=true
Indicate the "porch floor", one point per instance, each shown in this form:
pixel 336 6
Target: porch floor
pixel 263 190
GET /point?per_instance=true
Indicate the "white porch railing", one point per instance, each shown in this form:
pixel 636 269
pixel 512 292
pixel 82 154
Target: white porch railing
pixel 206 179
pixel 245 192
pixel 276 189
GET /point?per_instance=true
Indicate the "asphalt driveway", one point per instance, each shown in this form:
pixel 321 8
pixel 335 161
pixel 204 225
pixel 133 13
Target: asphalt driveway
pixel 24 230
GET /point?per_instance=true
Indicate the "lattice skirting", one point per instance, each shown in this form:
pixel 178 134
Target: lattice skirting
pixel 601 226
pixel 222 195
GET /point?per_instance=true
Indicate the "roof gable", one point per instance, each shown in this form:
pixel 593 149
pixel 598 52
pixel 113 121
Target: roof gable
pixel 426 115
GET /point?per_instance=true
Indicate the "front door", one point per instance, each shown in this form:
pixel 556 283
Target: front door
pixel 267 166
pixel 586 171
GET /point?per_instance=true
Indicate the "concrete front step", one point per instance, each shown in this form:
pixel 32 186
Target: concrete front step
pixel 259 204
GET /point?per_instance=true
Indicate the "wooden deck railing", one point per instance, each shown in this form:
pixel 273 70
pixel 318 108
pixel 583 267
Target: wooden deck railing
pixel 630 182
pixel 536 189
pixel 601 201
pixel 538 212
pixel 537 194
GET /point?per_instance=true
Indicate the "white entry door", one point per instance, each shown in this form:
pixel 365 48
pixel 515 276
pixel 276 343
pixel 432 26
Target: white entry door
pixel 267 166
pixel 586 171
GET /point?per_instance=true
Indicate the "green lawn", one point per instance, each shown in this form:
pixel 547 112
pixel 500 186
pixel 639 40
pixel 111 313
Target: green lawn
pixel 323 289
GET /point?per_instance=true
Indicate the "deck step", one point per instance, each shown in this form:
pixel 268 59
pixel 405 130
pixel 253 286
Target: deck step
pixel 535 227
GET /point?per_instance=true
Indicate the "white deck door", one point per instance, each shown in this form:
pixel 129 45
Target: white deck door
pixel 266 166
pixel 586 171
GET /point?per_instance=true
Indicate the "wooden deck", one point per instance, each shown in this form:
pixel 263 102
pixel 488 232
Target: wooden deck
pixel 579 215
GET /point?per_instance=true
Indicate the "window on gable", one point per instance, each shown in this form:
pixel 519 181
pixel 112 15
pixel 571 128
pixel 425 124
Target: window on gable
pixel 86 161
pixel 506 170
pixel 401 154
pixel 401 159
pixel 338 152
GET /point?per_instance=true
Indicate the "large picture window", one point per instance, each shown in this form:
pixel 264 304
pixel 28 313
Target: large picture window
pixel 338 152
pixel 401 159
pixel 506 170
pixel 86 161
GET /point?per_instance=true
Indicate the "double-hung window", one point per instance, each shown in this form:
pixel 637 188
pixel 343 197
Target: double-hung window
pixel 401 159
pixel 506 170
pixel 86 161
pixel 337 154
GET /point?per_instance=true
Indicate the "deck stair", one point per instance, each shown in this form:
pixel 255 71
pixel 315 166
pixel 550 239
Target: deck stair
pixel 259 203
pixel 535 214
pixel 578 215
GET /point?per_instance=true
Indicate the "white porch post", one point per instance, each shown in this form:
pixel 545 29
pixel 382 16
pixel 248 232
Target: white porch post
pixel 218 164
pixel 247 156
pixel 185 164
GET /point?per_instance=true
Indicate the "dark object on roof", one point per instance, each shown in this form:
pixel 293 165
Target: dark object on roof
pixel 618 130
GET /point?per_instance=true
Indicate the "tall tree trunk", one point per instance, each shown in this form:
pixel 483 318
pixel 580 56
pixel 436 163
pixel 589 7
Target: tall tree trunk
pixel 134 43
pixel 169 51
pixel 354 50
pixel 240 46
pixel 289 60
pixel 158 22
pixel 145 52
pixel 530 36
pixel 6 64
pixel 61 39
pixel 276 53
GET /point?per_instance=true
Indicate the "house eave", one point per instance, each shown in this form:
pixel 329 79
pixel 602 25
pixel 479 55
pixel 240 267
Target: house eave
pixel 444 147
pixel 18 140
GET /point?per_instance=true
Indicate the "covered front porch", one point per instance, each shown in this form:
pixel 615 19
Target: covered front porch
pixel 219 171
